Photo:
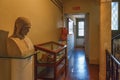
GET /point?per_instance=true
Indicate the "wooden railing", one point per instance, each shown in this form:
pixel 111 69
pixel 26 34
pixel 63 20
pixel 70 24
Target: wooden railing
pixel 112 68
pixel 113 60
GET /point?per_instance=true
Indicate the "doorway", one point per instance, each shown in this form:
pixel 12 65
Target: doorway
pixel 78 31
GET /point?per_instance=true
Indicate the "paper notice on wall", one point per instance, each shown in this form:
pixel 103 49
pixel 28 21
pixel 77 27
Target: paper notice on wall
pixel 3 42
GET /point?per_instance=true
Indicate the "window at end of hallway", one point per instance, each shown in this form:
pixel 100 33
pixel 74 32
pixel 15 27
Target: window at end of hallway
pixel 114 15
pixel 81 28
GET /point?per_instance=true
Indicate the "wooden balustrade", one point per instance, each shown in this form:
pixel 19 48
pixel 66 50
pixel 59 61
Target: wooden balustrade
pixel 112 67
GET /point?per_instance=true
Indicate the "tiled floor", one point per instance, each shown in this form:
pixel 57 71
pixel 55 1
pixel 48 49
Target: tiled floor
pixel 79 69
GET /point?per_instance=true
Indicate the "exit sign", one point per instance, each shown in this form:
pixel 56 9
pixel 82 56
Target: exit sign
pixel 76 8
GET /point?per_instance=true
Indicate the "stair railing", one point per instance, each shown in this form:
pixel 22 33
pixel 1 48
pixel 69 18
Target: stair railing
pixel 113 60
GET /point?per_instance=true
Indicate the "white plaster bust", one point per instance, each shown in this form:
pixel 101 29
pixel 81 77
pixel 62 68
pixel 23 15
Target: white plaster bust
pixel 18 43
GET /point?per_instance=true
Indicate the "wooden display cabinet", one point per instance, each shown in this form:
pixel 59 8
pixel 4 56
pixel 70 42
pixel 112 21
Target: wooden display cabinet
pixel 50 61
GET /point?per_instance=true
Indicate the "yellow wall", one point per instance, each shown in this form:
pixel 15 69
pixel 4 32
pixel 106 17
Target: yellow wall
pixel 43 14
pixel 92 7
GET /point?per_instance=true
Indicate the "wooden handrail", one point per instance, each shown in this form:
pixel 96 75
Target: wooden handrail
pixel 112 67
pixel 113 58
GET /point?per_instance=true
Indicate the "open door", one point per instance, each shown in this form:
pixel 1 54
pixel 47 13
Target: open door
pixel 86 37
pixel 70 36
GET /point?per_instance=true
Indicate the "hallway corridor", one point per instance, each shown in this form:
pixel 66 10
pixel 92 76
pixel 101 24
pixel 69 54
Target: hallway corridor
pixel 79 69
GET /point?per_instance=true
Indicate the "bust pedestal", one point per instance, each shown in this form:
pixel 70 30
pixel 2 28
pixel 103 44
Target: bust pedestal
pixel 21 69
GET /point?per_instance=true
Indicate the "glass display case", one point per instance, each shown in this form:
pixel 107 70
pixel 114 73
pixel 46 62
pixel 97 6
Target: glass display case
pixel 50 60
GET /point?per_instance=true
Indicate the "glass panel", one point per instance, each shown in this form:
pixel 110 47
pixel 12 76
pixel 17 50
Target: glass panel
pixel 114 14
pixel 18 57
pixel 81 28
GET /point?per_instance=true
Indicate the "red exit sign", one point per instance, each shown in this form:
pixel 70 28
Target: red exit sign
pixel 76 8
